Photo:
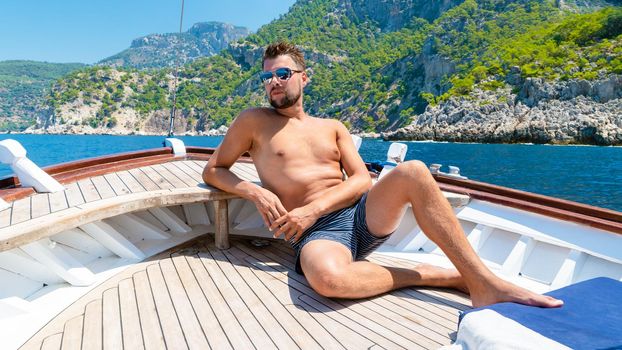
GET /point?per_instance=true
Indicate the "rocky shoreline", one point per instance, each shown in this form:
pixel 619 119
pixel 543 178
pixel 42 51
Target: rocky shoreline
pixel 85 130
pixel 541 112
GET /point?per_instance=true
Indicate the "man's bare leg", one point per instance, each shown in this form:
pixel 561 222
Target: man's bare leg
pixel 331 272
pixel 411 182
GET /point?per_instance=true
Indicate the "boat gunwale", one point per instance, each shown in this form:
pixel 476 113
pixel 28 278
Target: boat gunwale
pixel 549 206
pixel 79 165
pixel 537 208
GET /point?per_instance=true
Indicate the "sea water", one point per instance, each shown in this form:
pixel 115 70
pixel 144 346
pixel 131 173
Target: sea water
pixel 585 174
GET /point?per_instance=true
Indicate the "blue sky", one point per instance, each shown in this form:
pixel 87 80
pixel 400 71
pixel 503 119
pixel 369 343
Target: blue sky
pixel 89 30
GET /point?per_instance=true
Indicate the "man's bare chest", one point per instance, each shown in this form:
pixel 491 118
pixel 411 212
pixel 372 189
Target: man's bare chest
pixel 308 145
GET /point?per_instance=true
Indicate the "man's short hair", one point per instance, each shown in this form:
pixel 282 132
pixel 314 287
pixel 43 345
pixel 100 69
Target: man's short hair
pixel 284 48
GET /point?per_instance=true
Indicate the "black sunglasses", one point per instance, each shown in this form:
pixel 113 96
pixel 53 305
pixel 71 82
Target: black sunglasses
pixel 282 74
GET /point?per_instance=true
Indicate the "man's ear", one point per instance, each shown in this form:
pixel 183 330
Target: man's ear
pixel 305 78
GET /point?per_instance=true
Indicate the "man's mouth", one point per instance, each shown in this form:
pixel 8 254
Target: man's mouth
pixel 276 92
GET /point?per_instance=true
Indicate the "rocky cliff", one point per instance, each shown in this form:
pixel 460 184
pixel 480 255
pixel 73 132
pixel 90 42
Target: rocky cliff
pixel 392 15
pixel 166 50
pixel 562 112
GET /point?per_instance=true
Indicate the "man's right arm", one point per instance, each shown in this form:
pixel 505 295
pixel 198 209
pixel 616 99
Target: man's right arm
pixel 239 139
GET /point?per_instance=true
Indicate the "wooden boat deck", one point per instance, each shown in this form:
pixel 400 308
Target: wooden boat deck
pixel 93 198
pixel 166 176
pixel 197 296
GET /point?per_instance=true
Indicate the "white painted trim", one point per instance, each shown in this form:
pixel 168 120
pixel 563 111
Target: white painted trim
pixel 516 259
pixel 55 258
pixel 110 238
pixel 196 214
pixel 179 149
pixel 565 275
pixel 18 261
pixel 478 236
pixel 253 221
pixel 170 220
pixel 29 174
pixel 132 223
pixel 77 239
pixel 14 306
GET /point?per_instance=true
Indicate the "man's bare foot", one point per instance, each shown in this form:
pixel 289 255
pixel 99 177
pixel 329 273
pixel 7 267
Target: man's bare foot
pixel 435 276
pixel 499 291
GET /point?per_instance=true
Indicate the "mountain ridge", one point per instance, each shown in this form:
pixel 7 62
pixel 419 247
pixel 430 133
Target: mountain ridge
pixel 372 73
pixel 203 39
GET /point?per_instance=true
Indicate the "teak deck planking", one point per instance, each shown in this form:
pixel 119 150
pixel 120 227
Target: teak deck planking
pixel 197 296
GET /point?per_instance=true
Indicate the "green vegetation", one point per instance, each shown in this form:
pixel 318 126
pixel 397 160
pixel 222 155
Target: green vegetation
pixel 209 89
pixel 578 46
pixel 22 87
pixel 366 77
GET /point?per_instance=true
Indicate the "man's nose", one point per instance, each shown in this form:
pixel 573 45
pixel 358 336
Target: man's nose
pixel 276 81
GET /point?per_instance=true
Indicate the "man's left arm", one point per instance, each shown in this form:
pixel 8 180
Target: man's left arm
pixel 296 221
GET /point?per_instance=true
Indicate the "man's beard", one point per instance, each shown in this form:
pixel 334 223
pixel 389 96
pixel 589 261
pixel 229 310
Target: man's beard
pixel 286 101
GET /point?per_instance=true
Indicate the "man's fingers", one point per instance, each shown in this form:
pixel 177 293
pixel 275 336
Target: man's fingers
pixel 282 230
pixel 275 214
pixel 270 218
pixel 292 234
pixel 265 218
pixel 297 235
pixel 278 222
pixel 279 207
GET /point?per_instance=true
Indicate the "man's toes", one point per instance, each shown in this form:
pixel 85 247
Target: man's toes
pixel 545 301
pixel 552 302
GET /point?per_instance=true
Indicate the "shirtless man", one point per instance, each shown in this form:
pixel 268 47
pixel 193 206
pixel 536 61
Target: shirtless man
pixel 334 223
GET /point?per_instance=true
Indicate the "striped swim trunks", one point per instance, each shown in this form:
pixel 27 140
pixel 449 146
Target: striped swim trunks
pixel 346 226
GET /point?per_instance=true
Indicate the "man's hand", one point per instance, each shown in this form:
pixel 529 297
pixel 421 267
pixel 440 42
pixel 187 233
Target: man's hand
pixel 294 223
pixel 268 205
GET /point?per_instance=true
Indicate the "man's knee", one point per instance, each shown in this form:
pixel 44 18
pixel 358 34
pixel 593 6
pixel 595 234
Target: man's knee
pixel 328 281
pixel 412 169
pixel 324 264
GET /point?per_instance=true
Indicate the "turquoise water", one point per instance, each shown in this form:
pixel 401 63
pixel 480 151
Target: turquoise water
pixel 585 174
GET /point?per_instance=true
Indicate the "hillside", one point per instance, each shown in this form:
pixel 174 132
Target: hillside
pixel 167 50
pixel 22 90
pixel 383 65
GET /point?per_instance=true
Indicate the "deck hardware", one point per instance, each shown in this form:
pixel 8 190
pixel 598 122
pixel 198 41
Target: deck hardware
pixel 29 174
pixel 454 171
pixel 397 152
pixel 357 141
pixel 179 149
pixel 260 243
pixel 395 155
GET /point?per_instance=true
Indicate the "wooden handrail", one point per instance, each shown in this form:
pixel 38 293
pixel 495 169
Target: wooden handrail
pixel 34 229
